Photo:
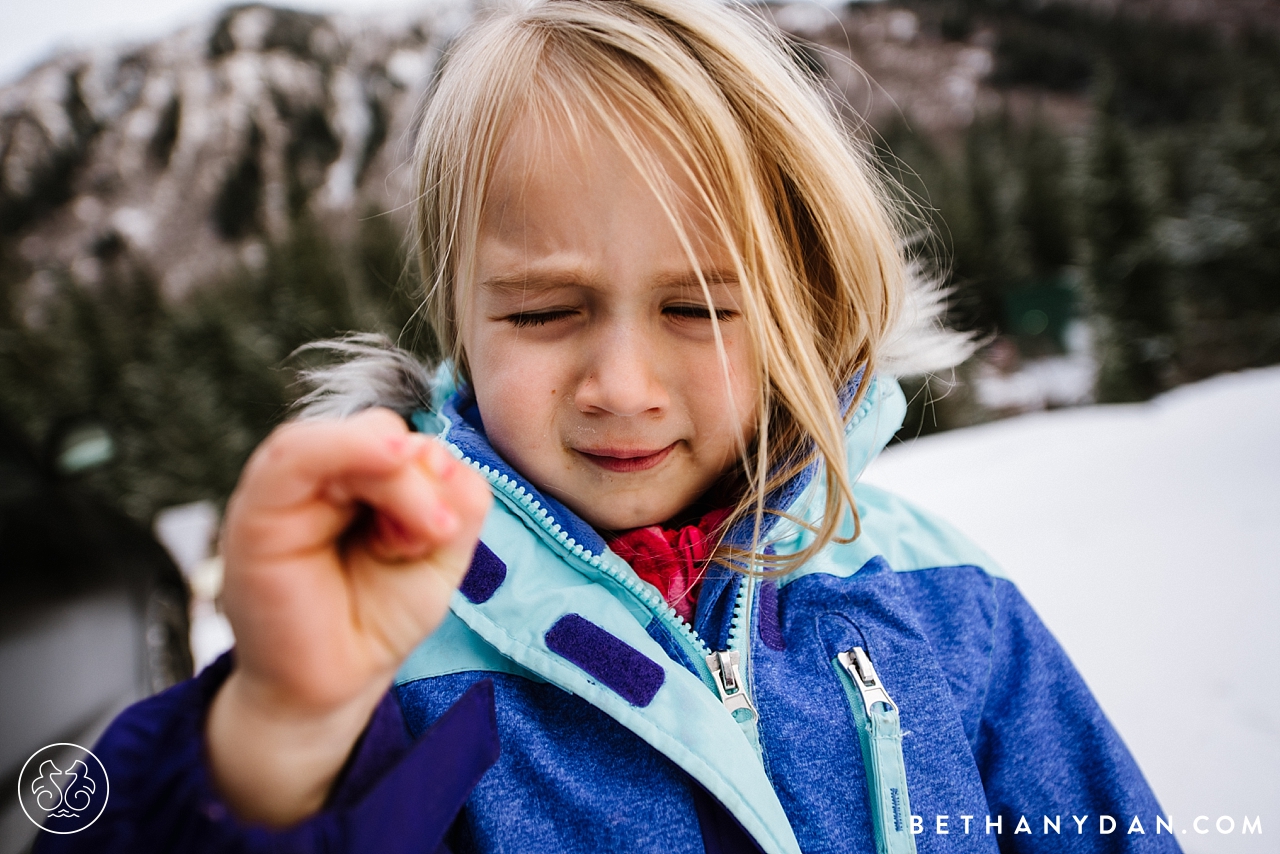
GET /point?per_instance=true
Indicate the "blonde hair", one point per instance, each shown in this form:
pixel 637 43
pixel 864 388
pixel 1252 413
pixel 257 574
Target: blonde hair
pixel 809 222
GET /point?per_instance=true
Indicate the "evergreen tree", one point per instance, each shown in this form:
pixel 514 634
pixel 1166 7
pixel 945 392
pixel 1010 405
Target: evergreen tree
pixel 1128 278
pixel 1046 207
pixel 188 389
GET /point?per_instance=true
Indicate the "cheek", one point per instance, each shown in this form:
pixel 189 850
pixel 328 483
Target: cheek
pixel 745 393
pixel 726 410
pixel 744 376
pixel 517 393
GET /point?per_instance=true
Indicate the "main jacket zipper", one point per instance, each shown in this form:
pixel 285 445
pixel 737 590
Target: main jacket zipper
pixel 880 737
pixel 723 672
pixel 731 668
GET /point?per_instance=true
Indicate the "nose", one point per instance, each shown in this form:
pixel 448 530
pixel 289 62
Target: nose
pixel 622 376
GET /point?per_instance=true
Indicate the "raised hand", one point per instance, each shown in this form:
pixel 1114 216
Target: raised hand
pixel 343 543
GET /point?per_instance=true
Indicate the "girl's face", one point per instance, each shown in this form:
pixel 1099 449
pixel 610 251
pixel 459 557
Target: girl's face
pixel 589 339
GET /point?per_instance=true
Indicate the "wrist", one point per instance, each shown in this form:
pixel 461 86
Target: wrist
pixel 275 761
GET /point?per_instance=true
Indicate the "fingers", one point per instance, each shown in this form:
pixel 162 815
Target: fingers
pixel 468 496
pixel 416 508
pixel 405 585
pixel 301 457
pixel 408 573
pixel 303 487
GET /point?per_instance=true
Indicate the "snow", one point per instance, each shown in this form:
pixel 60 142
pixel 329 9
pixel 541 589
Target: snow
pixel 188 532
pixel 1146 536
pixel 1044 383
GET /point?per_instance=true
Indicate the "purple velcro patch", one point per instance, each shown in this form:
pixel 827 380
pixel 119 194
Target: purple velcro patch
pixel 485 576
pixel 607 659
pixel 770 632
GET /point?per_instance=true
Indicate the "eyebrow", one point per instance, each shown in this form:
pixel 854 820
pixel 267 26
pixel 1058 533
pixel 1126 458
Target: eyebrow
pixel 690 279
pixel 526 281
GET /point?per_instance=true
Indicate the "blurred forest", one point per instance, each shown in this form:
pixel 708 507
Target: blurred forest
pixel 1159 224
pixel 1156 221
pixel 187 389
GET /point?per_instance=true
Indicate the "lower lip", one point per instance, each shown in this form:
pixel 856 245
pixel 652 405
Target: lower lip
pixel 629 464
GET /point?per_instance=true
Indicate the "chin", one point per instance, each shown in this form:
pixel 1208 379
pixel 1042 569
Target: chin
pixel 617 524
pixel 626 521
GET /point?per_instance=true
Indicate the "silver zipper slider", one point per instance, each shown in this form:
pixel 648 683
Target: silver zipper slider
pixel 856 663
pixel 724 669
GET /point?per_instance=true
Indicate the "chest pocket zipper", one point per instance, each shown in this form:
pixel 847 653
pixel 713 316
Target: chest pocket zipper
pixel 880 737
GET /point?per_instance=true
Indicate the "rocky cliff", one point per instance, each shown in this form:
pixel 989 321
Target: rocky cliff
pixel 184 157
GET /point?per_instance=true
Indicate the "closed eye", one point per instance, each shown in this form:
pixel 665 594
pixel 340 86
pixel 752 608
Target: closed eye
pixel 698 312
pixel 524 319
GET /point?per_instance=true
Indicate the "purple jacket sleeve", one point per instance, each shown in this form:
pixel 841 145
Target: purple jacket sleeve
pixel 1045 748
pixel 393 795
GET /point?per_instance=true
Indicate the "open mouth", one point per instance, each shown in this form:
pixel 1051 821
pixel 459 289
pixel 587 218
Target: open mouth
pixel 626 460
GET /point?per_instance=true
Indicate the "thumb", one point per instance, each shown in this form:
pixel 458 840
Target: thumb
pixel 441 508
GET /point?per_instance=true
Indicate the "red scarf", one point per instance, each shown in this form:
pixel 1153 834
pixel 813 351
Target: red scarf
pixel 672 560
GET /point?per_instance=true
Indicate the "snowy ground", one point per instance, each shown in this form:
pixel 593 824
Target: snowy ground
pixel 1147 538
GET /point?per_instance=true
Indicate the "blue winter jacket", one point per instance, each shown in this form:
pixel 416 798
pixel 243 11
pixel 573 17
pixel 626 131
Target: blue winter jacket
pixel 896 694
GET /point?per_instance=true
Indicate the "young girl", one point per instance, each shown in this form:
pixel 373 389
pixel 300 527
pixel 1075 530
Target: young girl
pixel 672 292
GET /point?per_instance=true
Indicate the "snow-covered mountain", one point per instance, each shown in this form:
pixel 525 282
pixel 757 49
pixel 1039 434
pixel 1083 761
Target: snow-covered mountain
pixel 184 156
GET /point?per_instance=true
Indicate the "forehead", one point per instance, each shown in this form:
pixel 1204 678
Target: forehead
pixel 570 177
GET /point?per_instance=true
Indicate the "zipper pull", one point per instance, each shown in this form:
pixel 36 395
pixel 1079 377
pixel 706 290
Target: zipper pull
pixel 856 663
pixel 724 669
pixel 880 736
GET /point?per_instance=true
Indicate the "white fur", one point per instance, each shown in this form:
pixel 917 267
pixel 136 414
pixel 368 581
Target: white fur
pixel 918 343
pixel 370 371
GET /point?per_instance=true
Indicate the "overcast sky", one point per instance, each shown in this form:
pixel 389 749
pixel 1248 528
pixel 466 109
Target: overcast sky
pixel 31 30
